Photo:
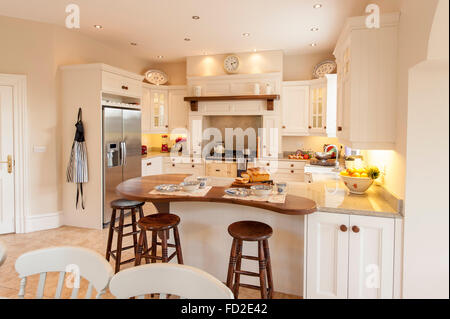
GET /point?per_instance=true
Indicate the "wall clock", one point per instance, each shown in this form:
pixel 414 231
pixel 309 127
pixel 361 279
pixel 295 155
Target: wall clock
pixel 325 67
pixel 156 77
pixel 231 63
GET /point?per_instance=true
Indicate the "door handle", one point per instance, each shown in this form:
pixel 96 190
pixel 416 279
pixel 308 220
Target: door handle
pixel 9 162
pixel 123 151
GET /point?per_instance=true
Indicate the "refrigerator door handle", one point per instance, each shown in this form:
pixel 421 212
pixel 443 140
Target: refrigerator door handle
pixel 123 151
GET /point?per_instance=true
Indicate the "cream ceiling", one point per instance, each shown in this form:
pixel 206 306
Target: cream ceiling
pixel 159 27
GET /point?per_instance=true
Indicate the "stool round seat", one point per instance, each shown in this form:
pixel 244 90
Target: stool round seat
pixel 126 204
pixel 250 231
pixel 158 222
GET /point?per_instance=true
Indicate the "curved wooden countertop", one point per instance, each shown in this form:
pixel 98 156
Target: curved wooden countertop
pixel 140 187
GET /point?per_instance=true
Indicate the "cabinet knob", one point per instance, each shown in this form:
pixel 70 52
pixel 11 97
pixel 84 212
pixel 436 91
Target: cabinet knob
pixel 167 126
pixel 149 163
pixel 284 126
pixel 292 165
pixel 310 127
pixel 268 164
pixel 193 166
pixel 124 87
pixel 343 228
pixel 292 171
pixel 340 128
pixel 355 229
pixel 173 165
pixel 325 127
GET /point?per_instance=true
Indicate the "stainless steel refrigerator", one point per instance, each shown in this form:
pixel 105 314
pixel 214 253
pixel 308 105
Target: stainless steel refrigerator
pixel 121 152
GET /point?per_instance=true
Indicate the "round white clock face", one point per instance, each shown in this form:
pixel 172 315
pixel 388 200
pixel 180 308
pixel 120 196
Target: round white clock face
pixel 231 64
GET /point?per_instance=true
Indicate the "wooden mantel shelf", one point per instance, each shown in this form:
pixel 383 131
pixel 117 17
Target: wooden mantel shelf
pixel 195 99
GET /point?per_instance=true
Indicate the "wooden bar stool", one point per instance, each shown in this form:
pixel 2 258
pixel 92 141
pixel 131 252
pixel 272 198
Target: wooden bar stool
pixel 250 231
pixel 123 205
pixel 159 224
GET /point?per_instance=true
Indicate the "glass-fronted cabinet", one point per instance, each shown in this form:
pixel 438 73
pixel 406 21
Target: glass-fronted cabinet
pixel 318 106
pixel 159 111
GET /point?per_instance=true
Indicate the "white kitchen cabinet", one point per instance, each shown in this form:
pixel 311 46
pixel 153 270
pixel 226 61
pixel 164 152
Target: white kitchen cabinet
pixel 120 83
pixel 295 109
pixel 349 256
pixel 318 108
pixel 152 166
pixel 196 135
pixel 284 171
pixel 271 143
pixel 159 111
pixel 367 83
pixel 145 111
pixel 221 169
pixel 178 109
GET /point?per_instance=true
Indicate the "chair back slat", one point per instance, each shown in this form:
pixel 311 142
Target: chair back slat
pixel 84 263
pixel 23 284
pixel 89 292
pixel 173 279
pixel 59 287
pixel 74 293
pixel 2 253
pixel 41 285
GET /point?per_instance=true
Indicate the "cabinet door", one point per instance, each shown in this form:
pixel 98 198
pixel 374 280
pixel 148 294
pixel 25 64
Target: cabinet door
pixel 270 136
pixel 317 111
pixel 295 104
pixel 178 110
pixel 196 138
pixel 327 256
pixel 159 111
pixel 371 257
pixel 146 110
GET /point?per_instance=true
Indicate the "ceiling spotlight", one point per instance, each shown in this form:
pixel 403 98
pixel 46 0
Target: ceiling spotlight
pixel 314 29
pixel 246 34
pixel 98 26
pixel 195 17
pixel 160 56
pixel 187 39
pixel 317 6
pixel 313 44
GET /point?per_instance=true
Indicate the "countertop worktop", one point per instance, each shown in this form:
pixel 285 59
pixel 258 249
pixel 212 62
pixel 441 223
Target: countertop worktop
pixel 139 189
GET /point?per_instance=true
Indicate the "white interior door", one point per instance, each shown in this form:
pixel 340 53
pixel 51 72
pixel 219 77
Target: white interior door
pixel 7 224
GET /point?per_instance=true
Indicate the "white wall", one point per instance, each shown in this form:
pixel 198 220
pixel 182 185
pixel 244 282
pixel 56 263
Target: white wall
pixel 426 241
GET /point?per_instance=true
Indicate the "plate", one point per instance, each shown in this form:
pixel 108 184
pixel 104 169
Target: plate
pixel 239 192
pixel 168 188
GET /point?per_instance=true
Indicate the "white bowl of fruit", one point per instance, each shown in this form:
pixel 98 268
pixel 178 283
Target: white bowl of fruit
pixel 358 181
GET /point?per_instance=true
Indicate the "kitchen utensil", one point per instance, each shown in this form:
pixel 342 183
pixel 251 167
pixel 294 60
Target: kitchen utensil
pixel 239 192
pixel 190 186
pixel 281 188
pixel 262 190
pixel 203 180
pixel 144 150
pixel 357 185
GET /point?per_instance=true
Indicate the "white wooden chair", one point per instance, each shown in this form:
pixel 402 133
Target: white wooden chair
pixel 180 280
pixel 2 253
pixel 87 263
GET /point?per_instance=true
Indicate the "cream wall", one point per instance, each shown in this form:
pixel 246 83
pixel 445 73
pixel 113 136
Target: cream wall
pixel 251 62
pixel 176 72
pixel 36 50
pixel 300 67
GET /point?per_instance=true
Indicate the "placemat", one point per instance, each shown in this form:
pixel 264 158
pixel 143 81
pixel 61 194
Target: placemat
pixel 275 198
pixel 197 193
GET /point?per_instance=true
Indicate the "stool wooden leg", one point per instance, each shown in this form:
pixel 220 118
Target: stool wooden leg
pixel 134 228
pixel 110 235
pixel 232 264
pixel 141 215
pixel 165 252
pixel 138 258
pixel 262 270
pixel 154 245
pixel 119 241
pixel 178 245
pixel 269 267
pixel 237 279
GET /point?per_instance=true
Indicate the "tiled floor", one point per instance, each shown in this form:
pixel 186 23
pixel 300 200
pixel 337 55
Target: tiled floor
pixel 18 244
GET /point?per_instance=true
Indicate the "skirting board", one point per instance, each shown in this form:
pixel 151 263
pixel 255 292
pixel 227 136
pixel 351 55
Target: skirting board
pixel 43 222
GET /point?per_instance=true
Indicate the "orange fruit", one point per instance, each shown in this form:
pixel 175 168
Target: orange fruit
pixel 344 173
pixel 356 175
pixel 364 175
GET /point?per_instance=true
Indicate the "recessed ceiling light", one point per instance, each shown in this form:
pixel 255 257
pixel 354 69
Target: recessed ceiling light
pixel 317 6
pixel 315 29
pixel 254 50
pixel 133 44
pixel 196 17
pixel 313 44
pixel 187 39
pixel 160 56
pixel 98 26
pixel 246 34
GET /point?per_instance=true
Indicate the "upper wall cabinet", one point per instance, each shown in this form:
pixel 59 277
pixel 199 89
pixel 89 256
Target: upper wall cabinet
pixel 163 109
pixel 309 107
pixel 367 83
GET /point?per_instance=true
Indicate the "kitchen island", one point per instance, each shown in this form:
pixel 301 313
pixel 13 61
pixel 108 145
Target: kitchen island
pixel 205 241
